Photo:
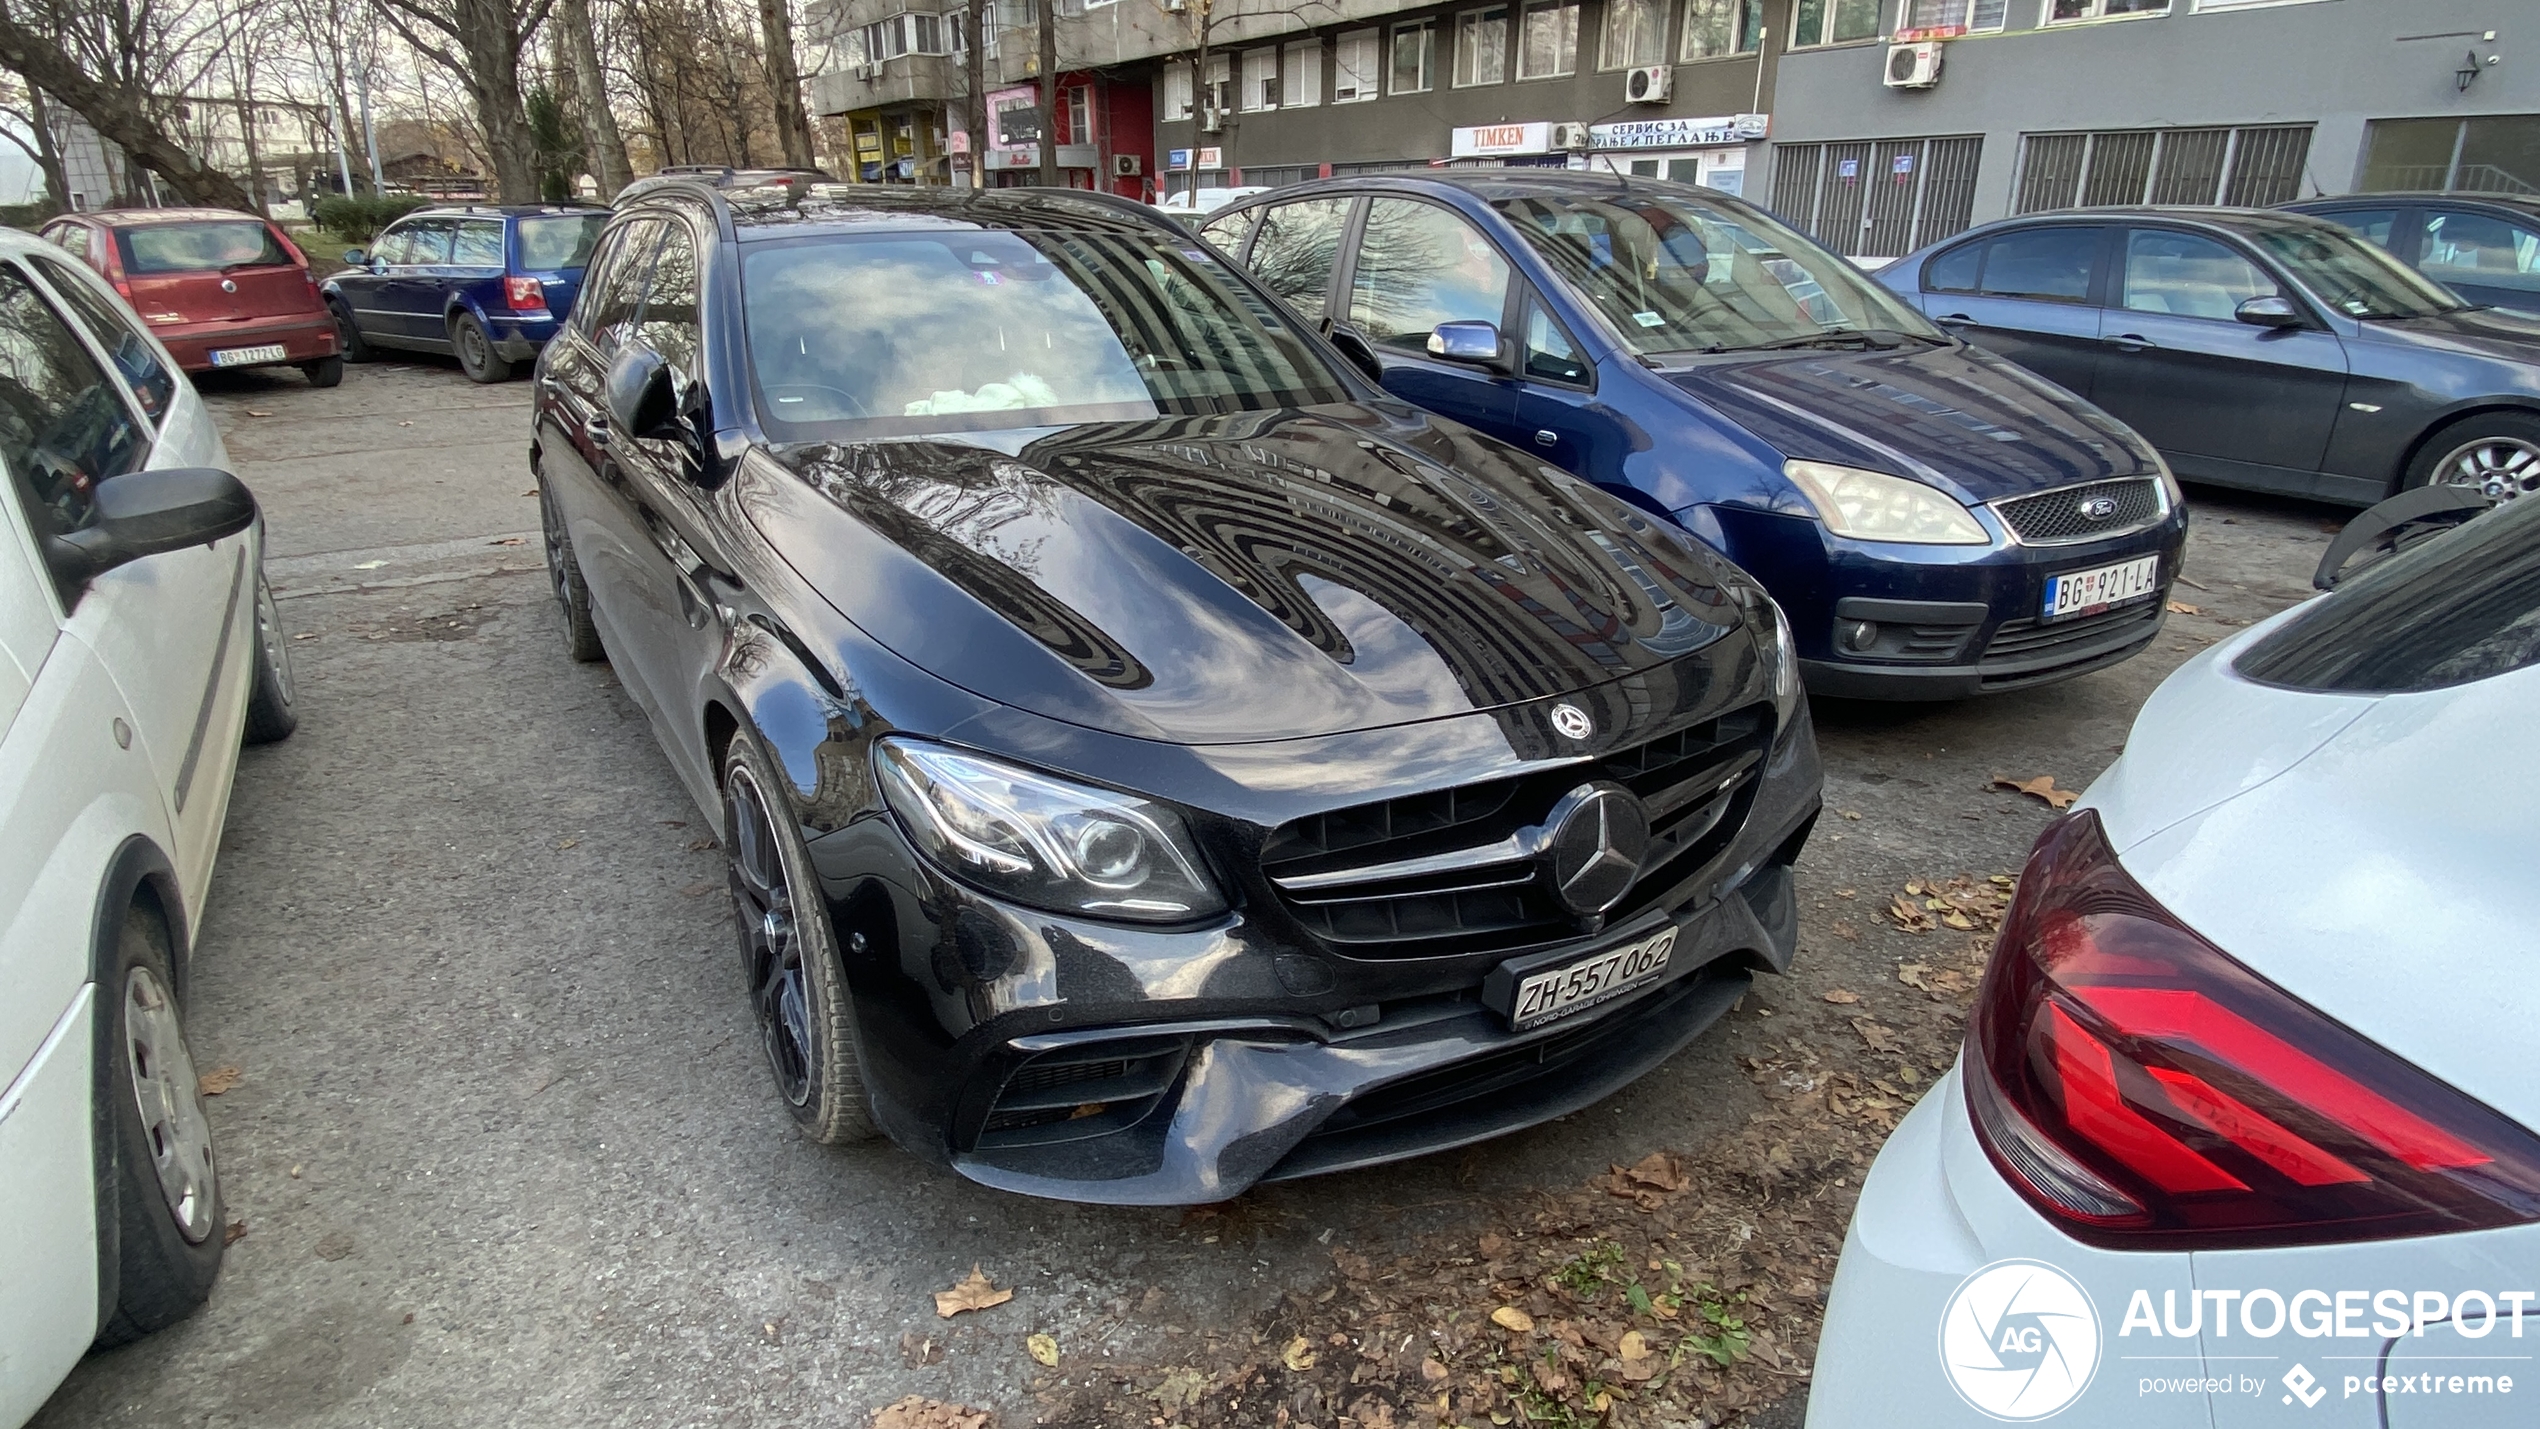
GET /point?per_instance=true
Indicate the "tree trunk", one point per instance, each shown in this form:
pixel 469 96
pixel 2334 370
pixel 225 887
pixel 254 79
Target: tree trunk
pixel 785 83
pixel 978 116
pixel 117 115
pixel 606 146
pixel 48 155
pixel 1049 94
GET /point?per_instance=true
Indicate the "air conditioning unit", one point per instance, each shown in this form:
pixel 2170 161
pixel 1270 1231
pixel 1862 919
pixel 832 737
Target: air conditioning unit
pixel 1176 7
pixel 868 71
pixel 1914 66
pixel 1649 84
pixel 1568 136
pixel 1127 166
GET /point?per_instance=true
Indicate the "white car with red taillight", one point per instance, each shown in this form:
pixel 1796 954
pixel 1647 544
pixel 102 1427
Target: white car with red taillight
pixel 2246 1129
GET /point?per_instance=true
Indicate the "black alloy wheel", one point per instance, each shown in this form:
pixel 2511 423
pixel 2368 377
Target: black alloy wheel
pixel 564 576
pixel 348 334
pixel 788 960
pixel 477 357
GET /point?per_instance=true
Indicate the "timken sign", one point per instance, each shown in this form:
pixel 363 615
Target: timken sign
pixel 1492 140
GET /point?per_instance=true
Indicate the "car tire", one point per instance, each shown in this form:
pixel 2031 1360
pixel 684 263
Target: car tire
pixel 348 335
pixel 477 357
pixel 273 708
pixel 167 1209
pixel 564 575
pixel 2498 452
pixel 789 957
pixel 325 372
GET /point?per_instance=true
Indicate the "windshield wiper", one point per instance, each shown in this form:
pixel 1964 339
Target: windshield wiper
pixel 1879 339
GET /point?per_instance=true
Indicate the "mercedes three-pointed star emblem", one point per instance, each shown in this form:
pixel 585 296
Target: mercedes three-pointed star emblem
pixel 1597 836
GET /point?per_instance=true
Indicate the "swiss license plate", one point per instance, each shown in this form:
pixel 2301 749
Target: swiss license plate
pixel 247 356
pixel 2089 592
pixel 1595 978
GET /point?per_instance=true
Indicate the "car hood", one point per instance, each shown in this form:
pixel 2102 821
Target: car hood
pixel 1957 417
pixel 2366 822
pixel 2478 332
pixel 1232 579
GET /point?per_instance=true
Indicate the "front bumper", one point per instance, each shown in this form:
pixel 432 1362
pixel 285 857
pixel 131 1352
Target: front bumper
pixel 304 338
pixel 1955 621
pixel 1181 1066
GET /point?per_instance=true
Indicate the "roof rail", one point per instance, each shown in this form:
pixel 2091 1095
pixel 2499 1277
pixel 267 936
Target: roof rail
pixel 692 186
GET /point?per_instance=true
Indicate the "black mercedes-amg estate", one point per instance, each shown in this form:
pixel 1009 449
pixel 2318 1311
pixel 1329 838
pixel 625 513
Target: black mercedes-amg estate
pixel 1151 759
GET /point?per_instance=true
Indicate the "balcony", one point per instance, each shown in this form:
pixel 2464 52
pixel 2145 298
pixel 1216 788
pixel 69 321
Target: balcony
pixel 922 79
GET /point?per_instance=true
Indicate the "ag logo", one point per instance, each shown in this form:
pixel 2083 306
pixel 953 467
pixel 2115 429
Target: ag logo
pixel 2019 1340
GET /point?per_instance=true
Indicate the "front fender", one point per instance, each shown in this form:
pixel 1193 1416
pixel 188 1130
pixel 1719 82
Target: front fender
pixel 813 728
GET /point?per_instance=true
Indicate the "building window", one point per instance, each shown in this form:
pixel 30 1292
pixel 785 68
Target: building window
pixel 2061 10
pixel 1220 81
pixel 1302 84
pixel 1414 58
pixel 1633 34
pixel 1839 22
pixel 1963 15
pixel 1481 47
pixel 1548 39
pixel 1177 91
pixel 2252 166
pixel 1721 27
pixel 2204 5
pixel 1080 115
pixel 1261 79
pixel 1354 67
pixel 1878 199
pixel 2499 154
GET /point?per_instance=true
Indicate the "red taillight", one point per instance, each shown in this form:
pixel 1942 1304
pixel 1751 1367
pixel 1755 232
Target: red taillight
pixel 2146 1091
pixel 521 294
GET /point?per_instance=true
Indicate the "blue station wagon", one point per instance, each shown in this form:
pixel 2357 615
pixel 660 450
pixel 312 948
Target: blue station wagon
pixel 1935 522
pixel 487 284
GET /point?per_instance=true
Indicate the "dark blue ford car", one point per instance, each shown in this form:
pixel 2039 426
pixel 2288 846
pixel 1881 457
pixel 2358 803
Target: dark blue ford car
pixel 488 284
pixel 1935 521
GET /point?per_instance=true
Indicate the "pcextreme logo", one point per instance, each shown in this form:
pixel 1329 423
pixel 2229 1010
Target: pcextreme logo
pixel 2019 1340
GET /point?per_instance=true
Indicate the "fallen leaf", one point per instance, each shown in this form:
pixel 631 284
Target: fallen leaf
pixel 1634 1346
pixel 1299 1355
pixel 699 845
pixel 2042 787
pixel 1909 917
pixel 1180 1389
pixel 697 890
pixel 1509 1317
pixel 1853 814
pixel 567 843
pixel 218 1080
pixel 295 1173
pixel 237 1232
pixel 1839 996
pixel 918 1351
pixel 252 412
pixel 1043 1349
pixel 1432 1371
pixel 975 1293
pixel 368 565
pixel 305 635
pixel 1659 1171
pixel 1911 974
pixel 2180 607
pixel 919 1412
pixel 509 541
pixel 530 492
pixel 1879 1037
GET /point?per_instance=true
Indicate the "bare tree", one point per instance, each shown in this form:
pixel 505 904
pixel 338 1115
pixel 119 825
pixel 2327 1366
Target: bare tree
pixel 981 15
pixel 785 83
pixel 1049 93
pixel 119 112
pixel 37 141
pixel 479 42
pixel 606 147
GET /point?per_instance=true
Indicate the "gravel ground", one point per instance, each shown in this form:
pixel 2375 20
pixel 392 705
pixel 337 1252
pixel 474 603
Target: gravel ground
pixel 502 1149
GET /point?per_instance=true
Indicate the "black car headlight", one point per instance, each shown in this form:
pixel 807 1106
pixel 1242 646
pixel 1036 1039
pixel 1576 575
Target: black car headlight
pixel 1778 651
pixel 1044 841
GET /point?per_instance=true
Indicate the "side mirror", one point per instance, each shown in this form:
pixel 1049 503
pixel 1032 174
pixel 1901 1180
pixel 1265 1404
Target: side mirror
pixel 643 395
pixel 2268 312
pixel 1477 343
pixel 355 258
pixel 1350 345
pixel 142 513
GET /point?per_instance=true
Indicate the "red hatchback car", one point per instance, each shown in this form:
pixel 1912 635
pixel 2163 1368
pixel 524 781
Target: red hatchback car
pixel 222 289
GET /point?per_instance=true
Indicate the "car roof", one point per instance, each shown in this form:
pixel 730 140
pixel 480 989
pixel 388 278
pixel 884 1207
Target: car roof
pixel 501 210
pixel 1492 185
pixel 2242 221
pixel 135 217
pixel 2520 203
pixel 838 208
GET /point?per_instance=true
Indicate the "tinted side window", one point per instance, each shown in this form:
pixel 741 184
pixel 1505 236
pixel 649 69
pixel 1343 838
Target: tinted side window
pixel 2188 276
pixel 1954 271
pixel 1226 233
pixel 669 323
pixel 2458 608
pixel 2372 225
pixel 428 242
pixel 480 245
pixel 1550 355
pixel 1295 250
pixel 63 426
pixel 613 299
pixel 2050 263
pixel 395 244
pixel 2482 251
pixel 130 351
pixel 1419 265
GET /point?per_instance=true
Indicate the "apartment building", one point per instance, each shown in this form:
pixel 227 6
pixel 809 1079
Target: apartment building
pixel 1909 120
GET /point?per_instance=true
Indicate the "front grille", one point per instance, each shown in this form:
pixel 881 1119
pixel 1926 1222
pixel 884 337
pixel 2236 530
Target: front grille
pixel 2054 518
pixel 2026 639
pixel 1452 872
pixel 1077 1092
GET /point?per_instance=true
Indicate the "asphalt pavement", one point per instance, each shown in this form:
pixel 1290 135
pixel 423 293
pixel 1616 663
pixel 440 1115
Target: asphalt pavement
pixel 502 1150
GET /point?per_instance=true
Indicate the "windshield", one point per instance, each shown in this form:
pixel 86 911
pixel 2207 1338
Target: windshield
pixel 2353 276
pixel 908 333
pixel 547 243
pixel 197 247
pixel 1673 274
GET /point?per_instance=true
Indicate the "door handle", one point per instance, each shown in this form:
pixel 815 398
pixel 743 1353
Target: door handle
pixel 2129 342
pixel 1952 319
pixel 1547 438
pixel 596 427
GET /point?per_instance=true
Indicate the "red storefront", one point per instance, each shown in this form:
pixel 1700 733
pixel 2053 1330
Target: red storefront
pixel 1106 135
